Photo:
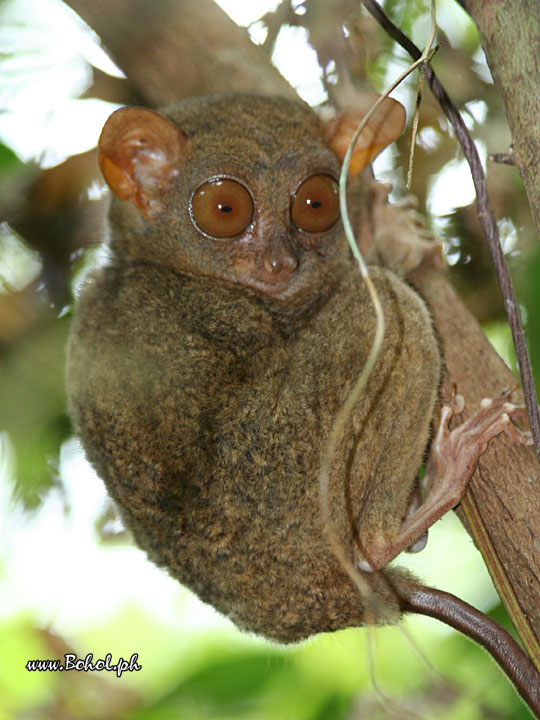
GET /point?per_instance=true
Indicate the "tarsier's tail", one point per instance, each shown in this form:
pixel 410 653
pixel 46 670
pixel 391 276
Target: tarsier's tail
pixel 501 645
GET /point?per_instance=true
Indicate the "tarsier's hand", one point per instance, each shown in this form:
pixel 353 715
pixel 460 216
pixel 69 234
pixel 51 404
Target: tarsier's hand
pixel 402 240
pixel 455 453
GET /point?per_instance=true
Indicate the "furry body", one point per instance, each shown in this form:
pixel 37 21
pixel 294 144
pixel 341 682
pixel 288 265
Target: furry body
pixel 206 405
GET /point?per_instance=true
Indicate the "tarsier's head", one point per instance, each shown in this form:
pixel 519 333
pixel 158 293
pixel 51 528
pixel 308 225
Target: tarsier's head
pixel 237 187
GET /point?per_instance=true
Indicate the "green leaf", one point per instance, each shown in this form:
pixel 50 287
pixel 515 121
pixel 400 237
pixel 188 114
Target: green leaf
pixel 8 160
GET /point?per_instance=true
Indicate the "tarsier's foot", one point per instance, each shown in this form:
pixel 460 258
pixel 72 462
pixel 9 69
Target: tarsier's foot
pixel 453 460
pixel 415 503
pixel 455 453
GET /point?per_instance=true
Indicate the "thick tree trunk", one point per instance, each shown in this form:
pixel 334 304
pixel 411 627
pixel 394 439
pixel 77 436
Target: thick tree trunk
pixel 510 35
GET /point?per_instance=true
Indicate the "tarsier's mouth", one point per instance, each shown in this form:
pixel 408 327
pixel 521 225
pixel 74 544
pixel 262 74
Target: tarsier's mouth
pixel 269 288
pixel 272 281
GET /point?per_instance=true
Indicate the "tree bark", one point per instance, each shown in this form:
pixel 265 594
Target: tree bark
pixel 510 35
pixel 179 48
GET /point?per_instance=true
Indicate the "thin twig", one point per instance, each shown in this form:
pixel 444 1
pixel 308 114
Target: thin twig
pixel 352 398
pixel 414 132
pixel 485 217
pixel 426 57
pixel 274 21
pixel 502 158
pixel 393 707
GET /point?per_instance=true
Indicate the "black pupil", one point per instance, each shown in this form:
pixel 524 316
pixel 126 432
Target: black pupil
pixel 224 208
pixel 316 204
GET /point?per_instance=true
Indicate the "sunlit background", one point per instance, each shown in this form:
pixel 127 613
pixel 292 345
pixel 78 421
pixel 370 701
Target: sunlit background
pixel 69 576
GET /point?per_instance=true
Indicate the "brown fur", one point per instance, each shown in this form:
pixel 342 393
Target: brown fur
pixel 206 405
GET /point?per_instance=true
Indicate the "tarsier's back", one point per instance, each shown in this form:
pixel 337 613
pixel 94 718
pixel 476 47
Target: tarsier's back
pixel 206 371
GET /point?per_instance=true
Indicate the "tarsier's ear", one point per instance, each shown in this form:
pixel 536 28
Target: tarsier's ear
pixel 383 127
pixel 138 154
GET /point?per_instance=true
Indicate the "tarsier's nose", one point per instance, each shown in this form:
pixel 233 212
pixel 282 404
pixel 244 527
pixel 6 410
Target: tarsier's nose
pixel 279 263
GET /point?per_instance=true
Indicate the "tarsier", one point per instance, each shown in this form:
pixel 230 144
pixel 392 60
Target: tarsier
pixel 211 354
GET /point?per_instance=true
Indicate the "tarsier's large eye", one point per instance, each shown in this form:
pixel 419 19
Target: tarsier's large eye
pixel 315 206
pixel 222 208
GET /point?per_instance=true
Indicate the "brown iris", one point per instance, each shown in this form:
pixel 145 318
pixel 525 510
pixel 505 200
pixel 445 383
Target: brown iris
pixel 315 206
pixel 222 208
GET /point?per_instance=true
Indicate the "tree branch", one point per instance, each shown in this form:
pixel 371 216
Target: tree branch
pixel 179 48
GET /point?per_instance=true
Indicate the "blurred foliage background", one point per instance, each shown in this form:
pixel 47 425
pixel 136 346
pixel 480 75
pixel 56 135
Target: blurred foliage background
pixel 70 580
